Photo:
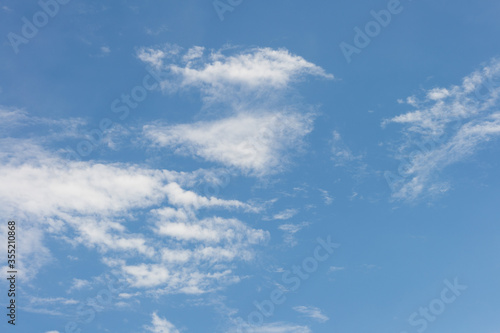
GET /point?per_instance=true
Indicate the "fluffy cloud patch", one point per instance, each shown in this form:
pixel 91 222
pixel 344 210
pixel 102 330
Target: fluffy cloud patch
pixel 161 325
pixel 201 254
pixel 79 284
pixel 257 144
pixel 258 130
pixel 94 204
pixel 219 75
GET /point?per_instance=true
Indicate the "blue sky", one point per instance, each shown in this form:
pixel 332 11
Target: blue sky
pixel 251 166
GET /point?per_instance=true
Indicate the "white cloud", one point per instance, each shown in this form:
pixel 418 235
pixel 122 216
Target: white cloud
pixel 278 327
pixel 179 197
pixel 449 125
pixel 107 235
pixel 12 119
pixel 185 279
pixel 127 295
pixel 161 325
pixel 148 275
pixel 53 306
pixel 51 300
pixel 219 76
pixel 152 57
pixel 193 53
pixel 256 143
pixel 91 204
pixel 342 155
pixel 79 284
pixel 211 230
pixel 465 142
pixel 259 130
pixel 476 96
pixel 261 67
pixel 81 195
pixel 201 254
pixel 438 93
pixel 35 254
pixel 105 50
pixel 326 197
pixel 290 230
pixel 52 332
pixel 335 269
pixel 312 312
pixel 60 187
pixel 286 214
pixel 157 31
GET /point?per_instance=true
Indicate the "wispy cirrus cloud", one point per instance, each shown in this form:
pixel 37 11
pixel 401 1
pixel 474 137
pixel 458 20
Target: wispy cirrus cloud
pixel 327 198
pixel 341 154
pixel 312 312
pixel 285 214
pixel 52 306
pixel 14 119
pixel 335 269
pixel 290 230
pixel 449 125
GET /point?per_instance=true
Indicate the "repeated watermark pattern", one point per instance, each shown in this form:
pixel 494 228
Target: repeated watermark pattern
pixel 31 27
pixel 223 6
pixel 364 36
pixel 420 319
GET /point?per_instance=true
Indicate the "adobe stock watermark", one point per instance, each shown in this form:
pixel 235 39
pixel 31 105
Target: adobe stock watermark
pixel 223 6
pixel 30 28
pixel 121 106
pixel 293 278
pixel 420 319
pixel 372 29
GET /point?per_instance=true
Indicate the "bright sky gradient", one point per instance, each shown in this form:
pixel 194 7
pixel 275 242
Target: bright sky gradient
pixel 240 166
